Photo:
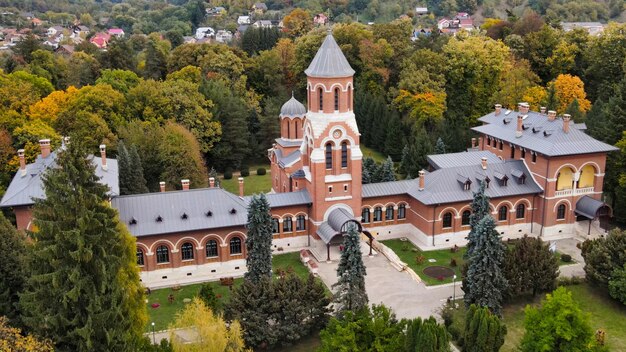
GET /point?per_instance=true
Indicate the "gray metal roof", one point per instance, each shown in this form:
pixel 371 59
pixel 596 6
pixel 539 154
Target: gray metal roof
pixel 24 189
pixel 440 161
pixel 382 189
pixel 180 211
pixel 554 142
pixel 588 207
pixel 329 61
pixel 286 199
pixel 443 186
pixel 292 108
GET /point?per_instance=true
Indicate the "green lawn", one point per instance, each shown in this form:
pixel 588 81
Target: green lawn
pixel 252 184
pixel 369 152
pixel 604 313
pixel 408 253
pixel 165 314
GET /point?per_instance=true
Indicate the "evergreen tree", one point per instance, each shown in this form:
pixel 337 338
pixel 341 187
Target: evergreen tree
pixel 138 182
pixel 426 336
pixel 351 295
pixel 558 325
pixel 440 146
pixel 387 172
pixel 530 267
pixel 259 240
pixel 12 272
pixel 83 291
pixel 486 283
pixel 124 168
pixel 484 331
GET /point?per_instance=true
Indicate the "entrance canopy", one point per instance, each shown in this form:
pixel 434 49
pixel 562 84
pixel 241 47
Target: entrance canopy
pixel 591 208
pixel 338 223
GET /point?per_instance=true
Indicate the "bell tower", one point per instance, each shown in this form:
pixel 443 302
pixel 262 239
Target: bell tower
pixel 330 149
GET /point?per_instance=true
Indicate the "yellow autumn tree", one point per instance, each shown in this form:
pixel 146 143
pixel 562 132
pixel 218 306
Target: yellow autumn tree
pixel 568 88
pixel 48 108
pixel 198 329
pixel 12 340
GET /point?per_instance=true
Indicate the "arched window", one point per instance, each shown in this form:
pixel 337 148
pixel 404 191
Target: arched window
pixel 329 156
pixel 275 227
pixel 287 224
pixel 520 212
pixel 447 220
pixel 560 212
pixel 187 251
pixel 163 254
pixel 365 215
pixel 389 213
pixel 140 256
pixel 401 211
pixel 344 154
pixel 336 99
pixel 211 248
pixel 503 213
pixel 300 223
pixel 320 93
pixel 465 218
pixel 235 245
pixel 378 214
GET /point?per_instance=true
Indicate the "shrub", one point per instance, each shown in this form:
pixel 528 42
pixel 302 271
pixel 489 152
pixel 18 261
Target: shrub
pixel 261 171
pixel 228 175
pixel 566 258
pixel 453 262
pixel 245 172
pixel 420 259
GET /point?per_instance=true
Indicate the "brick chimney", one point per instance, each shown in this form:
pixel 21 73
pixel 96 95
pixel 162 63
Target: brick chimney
pixel 20 154
pixel 542 110
pixel 566 118
pixel 483 162
pixel 520 122
pixel 498 109
pixel 523 108
pixel 211 182
pixel 422 175
pixel 473 142
pixel 44 144
pixel 103 156
pixel 162 186
pixel 185 184
pixel 240 186
pixel 551 115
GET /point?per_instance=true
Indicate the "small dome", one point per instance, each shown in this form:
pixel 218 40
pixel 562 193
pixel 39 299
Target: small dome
pixel 292 108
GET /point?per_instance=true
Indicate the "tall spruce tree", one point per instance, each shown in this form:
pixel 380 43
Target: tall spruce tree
pixel 486 284
pixel 259 240
pixel 351 295
pixel 484 331
pixel 83 291
pixel 387 172
pixel 440 146
pixel 12 271
pixel 138 181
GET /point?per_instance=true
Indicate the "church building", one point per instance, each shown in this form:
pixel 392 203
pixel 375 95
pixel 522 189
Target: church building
pixel 543 174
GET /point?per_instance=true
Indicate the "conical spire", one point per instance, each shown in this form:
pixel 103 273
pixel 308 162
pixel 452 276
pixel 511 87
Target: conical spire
pixel 329 61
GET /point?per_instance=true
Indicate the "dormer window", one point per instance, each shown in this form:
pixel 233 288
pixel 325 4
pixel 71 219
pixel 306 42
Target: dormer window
pixel 159 219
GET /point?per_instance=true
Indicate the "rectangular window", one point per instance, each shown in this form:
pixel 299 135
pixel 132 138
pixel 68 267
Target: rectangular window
pixel 287 225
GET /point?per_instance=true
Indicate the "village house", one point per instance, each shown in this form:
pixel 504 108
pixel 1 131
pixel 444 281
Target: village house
pixel 543 174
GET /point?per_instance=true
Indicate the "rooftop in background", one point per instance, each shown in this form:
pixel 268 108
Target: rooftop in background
pixel 442 161
pixel 329 61
pixel 24 189
pixel 554 142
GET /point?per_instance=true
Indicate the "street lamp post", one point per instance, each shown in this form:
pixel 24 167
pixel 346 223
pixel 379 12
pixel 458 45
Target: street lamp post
pixel 153 336
pixel 454 290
